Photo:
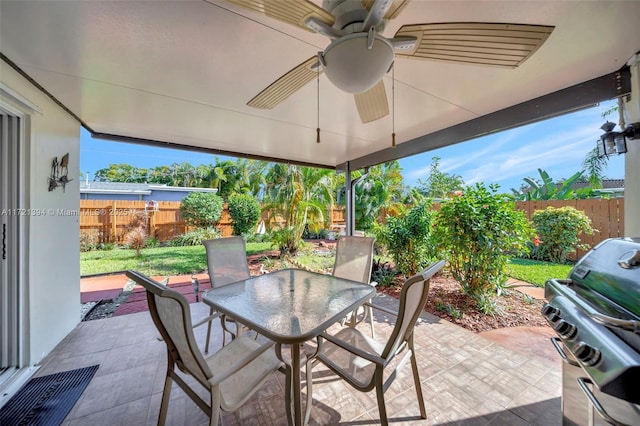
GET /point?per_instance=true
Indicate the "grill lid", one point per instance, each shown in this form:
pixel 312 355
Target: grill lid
pixel 612 270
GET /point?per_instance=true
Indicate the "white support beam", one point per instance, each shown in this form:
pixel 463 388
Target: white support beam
pixel 632 158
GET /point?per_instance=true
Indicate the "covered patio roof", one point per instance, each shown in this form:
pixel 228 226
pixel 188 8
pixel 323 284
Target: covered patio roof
pixel 180 73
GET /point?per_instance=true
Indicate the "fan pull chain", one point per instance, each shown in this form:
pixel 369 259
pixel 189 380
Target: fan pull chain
pixel 393 106
pixel 318 106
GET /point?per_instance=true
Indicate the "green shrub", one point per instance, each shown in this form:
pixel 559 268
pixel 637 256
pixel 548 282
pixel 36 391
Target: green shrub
pixel 408 238
pixel 476 231
pixel 319 234
pixel 448 309
pixel 152 242
pixel 382 273
pixel 559 231
pixel 244 210
pixel 195 237
pixel 201 209
pixel 257 238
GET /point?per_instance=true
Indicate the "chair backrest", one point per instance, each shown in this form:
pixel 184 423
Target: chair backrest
pixel 354 257
pixel 171 314
pixel 413 298
pixel 226 260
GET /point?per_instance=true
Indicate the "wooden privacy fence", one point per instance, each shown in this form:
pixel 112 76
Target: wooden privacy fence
pixel 110 220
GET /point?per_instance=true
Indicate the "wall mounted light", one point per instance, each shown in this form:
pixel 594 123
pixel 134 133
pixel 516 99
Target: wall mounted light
pixel 612 142
pixel 59 173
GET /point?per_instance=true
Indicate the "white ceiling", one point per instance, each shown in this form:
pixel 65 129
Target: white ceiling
pixel 183 71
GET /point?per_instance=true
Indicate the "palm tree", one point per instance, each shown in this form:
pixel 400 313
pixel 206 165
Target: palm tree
pixel 253 177
pixel 593 167
pixel 382 187
pixel 298 197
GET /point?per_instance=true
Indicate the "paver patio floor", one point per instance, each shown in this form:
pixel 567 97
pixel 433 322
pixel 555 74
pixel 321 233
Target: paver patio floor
pixel 466 378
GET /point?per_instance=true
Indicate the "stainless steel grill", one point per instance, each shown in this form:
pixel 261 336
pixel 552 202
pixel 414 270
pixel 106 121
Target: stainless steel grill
pixel 596 315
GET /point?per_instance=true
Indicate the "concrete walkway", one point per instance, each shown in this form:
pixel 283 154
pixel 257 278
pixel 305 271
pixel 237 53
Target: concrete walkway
pixel 525 340
pixel 526 288
pixel 109 286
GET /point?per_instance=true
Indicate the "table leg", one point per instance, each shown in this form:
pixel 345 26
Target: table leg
pixel 296 384
pixel 292 391
pixel 309 378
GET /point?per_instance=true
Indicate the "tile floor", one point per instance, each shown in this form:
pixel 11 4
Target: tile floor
pixel 466 378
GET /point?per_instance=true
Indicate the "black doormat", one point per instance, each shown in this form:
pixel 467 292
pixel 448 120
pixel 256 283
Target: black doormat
pixel 46 400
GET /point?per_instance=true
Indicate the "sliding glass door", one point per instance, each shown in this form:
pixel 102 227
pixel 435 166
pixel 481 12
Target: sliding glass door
pixel 10 217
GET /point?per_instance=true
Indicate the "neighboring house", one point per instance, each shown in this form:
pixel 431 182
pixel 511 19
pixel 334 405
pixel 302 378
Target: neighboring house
pixel 135 191
pixel 613 187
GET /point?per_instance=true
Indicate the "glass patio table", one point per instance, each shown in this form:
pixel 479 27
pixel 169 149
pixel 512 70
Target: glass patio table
pixel 290 307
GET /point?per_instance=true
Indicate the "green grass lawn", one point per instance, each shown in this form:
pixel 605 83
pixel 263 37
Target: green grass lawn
pixel 188 260
pixel 154 261
pixel 321 260
pixel 535 271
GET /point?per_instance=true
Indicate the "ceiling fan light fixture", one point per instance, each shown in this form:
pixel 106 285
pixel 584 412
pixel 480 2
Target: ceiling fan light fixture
pixel 353 67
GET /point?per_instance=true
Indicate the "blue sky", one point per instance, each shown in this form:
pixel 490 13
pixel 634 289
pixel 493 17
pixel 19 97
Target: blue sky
pixel 557 145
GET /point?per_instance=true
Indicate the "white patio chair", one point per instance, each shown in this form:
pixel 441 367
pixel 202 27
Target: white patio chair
pixel 231 375
pixel 226 264
pixel 361 361
pixel 354 258
pixel 201 321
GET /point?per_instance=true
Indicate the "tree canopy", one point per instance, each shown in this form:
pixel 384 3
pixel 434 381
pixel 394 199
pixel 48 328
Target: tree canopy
pixel 439 184
pixel 228 176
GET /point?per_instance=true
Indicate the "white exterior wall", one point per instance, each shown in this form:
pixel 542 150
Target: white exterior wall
pixel 632 159
pixel 52 265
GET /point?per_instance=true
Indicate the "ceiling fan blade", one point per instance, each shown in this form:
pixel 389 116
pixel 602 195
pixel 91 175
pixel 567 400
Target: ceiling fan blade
pixel 376 13
pixel 394 9
pixel 372 104
pixel 291 12
pixel 287 85
pixel 502 45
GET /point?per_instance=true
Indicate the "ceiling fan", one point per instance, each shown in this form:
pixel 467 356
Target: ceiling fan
pixel 359 55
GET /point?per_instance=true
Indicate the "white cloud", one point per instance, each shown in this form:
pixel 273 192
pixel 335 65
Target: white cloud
pixel 561 149
pixel 456 164
pixel 558 146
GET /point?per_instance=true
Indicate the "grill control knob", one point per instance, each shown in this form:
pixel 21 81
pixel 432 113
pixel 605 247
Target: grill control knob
pixel 566 329
pixel 587 354
pixel 549 311
pixel 554 318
